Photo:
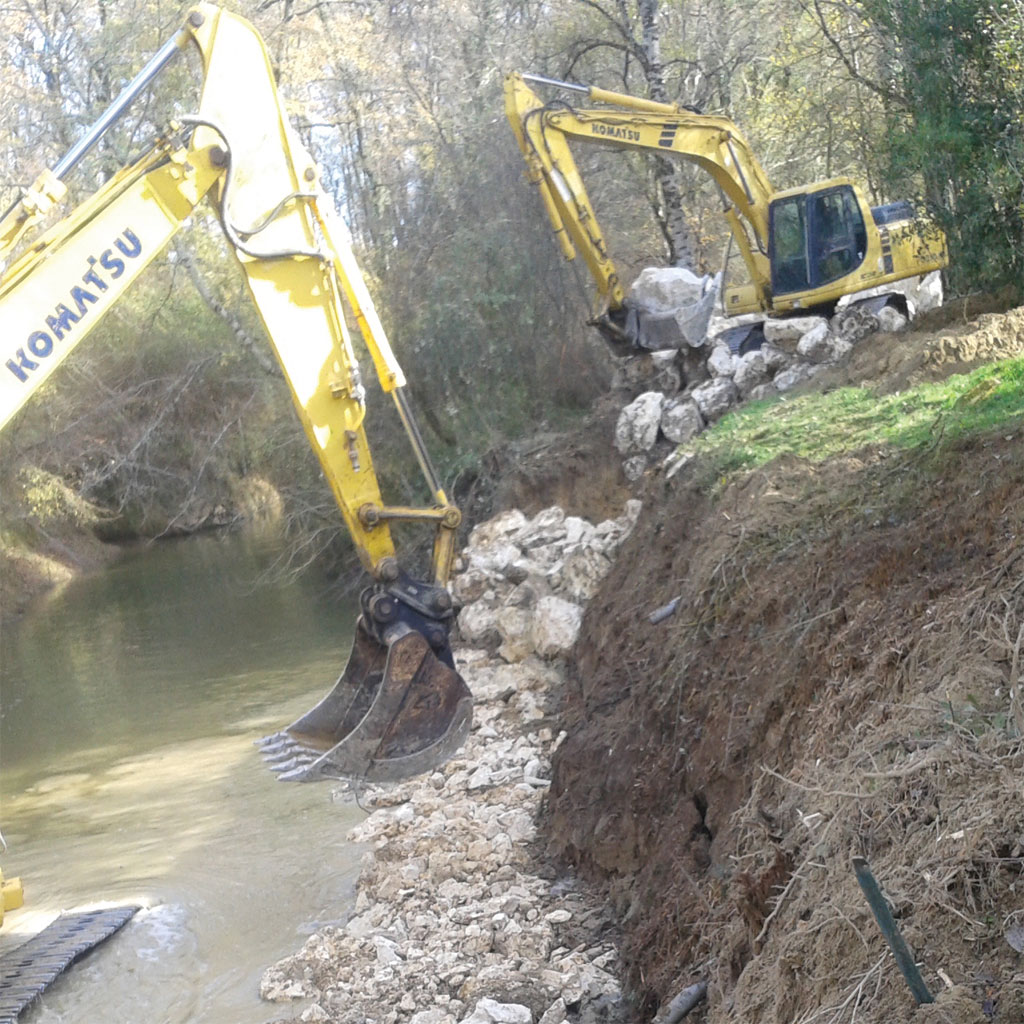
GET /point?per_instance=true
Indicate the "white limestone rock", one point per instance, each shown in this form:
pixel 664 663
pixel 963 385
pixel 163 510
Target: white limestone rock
pixel 577 530
pixel 434 1015
pixel 664 289
pixel 480 779
pixel 637 428
pixel 489 1011
pixel 546 527
pixel 582 571
pixel 926 293
pixel 721 361
pixel 496 557
pixel 715 398
pixel 775 360
pixel 556 624
pixel 796 374
pixel 556 1013
pixel 786 333
pixel 634 467
pixel 478 624
pixel 470 585
pixel 515 624
pixel 444 904
pixel 751 372
pixel 503 526
pixel 814 344
pixel 840 348
pixel 681 420
pixel 768 390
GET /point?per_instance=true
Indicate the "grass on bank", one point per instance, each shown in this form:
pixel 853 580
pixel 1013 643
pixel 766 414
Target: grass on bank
pixel 820 426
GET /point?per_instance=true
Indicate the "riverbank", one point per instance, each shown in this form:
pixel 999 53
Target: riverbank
pixel 794 660
pixel 460 916
pixel 836 674
pixel 49 534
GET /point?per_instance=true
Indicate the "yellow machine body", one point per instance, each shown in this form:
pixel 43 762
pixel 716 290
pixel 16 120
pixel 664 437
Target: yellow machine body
pixel 827 227
pixel 399 707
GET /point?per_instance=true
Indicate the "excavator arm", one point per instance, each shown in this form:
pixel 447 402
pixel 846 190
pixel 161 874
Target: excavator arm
pixel 802 248
pixel 399 707
pixel 544 132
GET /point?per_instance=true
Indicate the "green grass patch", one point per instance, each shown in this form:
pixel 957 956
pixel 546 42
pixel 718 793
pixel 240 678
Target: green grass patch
pixel 822 426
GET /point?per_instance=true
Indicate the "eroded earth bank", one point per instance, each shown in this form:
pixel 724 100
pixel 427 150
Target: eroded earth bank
pixel 835 672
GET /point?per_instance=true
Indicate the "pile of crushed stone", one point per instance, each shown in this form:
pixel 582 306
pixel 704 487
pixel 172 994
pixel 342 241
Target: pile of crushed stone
pixel 458 918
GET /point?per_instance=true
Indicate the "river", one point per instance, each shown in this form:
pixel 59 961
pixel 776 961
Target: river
pixel 130 701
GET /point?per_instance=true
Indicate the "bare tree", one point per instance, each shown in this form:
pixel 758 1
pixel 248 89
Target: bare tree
pixel 633 36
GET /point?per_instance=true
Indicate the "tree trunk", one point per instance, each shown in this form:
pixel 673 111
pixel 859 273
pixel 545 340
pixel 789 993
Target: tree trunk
pixel 255 349
pixel 682 245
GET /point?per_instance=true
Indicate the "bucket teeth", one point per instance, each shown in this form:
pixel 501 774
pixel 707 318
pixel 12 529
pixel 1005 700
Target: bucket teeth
pixel 268 752
pixel 300 761
pixel 273 740
pixel 282 753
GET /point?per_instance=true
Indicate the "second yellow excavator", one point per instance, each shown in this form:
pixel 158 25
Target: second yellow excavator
pixel 803 248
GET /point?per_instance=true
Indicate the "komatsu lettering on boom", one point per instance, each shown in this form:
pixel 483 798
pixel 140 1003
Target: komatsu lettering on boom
pixel 61 321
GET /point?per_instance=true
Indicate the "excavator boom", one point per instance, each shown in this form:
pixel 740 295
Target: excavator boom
pixel 399 707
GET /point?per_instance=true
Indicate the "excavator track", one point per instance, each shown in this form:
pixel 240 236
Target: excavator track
pixel 27 971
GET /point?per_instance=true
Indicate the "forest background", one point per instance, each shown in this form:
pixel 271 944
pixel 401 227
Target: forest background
pixel 175 407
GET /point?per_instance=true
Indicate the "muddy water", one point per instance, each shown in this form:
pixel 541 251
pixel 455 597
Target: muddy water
pixel 130 701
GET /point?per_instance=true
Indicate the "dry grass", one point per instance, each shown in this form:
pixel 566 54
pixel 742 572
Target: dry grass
pixel 930 789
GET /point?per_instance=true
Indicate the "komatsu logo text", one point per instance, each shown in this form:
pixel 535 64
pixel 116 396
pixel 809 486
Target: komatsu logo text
pixel 613 131
pixel 106 267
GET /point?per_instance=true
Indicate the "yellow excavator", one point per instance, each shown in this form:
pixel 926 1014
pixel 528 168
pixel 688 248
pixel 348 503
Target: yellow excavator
pixel 399 707
pixel 803 248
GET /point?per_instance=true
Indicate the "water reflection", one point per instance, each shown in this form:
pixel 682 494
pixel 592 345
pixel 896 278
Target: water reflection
pixel 127 773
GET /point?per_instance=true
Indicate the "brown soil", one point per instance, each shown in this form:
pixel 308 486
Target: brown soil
pixel 841 678
pixel 578 470
pixel 944 342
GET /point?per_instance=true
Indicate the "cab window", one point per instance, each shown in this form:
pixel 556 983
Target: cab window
pixel 789 245
pixel 815 239
pixel 838 236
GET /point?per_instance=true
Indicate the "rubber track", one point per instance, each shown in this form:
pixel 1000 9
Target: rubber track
pixel 27 971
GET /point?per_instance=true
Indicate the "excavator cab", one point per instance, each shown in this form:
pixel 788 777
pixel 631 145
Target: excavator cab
pixel 825 242
pixel 816 238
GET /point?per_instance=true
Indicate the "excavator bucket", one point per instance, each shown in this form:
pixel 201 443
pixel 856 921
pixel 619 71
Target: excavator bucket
pixel 397 710
pixel 672 328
